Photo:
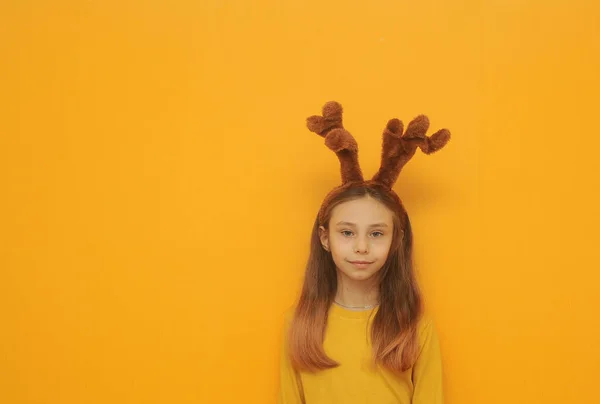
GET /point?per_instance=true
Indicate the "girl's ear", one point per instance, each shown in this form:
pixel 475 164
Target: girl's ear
pixel 324 236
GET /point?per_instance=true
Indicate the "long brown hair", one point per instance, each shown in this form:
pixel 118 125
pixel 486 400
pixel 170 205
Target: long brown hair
pixel 394 327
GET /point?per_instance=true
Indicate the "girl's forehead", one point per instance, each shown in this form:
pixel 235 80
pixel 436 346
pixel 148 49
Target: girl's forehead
pixel 362 211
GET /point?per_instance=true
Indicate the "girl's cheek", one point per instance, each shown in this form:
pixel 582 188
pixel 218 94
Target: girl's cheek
pixel 382 244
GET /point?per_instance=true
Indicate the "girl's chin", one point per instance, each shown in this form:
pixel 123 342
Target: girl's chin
pixel 358 275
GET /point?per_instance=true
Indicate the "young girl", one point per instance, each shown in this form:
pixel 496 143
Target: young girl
pixel 358 333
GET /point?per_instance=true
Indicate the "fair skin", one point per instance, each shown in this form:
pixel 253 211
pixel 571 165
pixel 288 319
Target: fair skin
pixel 359 240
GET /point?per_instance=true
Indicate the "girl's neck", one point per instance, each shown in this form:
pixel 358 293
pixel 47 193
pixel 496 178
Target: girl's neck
pixel 357 294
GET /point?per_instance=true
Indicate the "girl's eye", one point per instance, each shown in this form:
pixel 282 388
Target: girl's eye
pixel 377 234
pixel 347 233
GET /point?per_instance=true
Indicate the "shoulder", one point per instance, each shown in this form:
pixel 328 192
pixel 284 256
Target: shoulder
pixel 425 327
pixel 288 315
pixel 426 320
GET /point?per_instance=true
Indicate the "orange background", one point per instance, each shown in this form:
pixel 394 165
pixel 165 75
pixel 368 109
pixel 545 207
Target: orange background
pixel 159 186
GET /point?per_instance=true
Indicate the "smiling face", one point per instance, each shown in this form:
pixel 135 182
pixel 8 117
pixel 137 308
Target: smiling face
pixel 359 237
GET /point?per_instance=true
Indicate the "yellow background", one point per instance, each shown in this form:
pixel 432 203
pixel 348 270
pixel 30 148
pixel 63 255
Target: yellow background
pixel 158 187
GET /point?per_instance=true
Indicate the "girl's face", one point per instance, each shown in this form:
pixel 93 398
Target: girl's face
pixel 359 237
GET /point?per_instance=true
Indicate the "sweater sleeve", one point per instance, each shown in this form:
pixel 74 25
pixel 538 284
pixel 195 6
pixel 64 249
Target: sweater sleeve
pixel 289 379
pixel 427 371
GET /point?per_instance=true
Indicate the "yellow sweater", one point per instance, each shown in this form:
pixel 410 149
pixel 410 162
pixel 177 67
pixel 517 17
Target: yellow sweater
pixel 354 381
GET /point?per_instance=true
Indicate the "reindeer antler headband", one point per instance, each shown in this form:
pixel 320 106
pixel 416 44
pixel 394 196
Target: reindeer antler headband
pixel 398 147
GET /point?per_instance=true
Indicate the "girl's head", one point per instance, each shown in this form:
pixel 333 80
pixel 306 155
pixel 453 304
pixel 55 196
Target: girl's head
pixel 362 222
pixel 358 227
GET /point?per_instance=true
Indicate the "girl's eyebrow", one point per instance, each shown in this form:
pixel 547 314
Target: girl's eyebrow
pixel 354 225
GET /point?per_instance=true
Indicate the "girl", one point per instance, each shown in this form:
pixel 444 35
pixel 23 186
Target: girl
pixel 358 333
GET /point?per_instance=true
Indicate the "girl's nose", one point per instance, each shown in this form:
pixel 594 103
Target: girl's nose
pixel 361 247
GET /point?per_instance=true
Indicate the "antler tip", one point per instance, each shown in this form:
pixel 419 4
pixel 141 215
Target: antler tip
pixel 332 108
pixel 395 126
pixel 314 123
pixel 420 120
pixel 440 138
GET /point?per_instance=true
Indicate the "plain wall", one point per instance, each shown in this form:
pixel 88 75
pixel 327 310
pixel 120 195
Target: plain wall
pixel 158 188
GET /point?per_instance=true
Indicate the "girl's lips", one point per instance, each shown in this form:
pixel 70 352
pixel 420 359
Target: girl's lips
pixel 361 264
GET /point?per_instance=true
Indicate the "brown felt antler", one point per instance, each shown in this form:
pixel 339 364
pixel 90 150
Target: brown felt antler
pixel 399 148
pixel 338 139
